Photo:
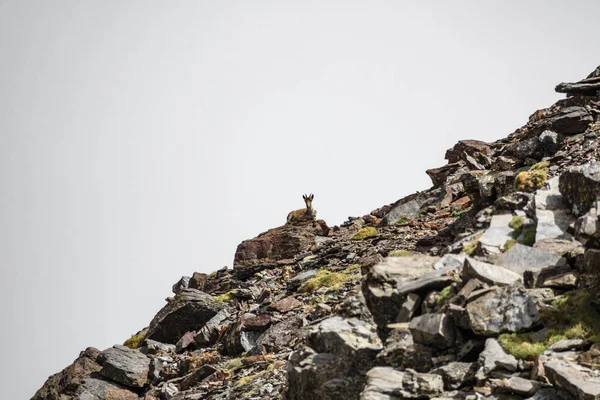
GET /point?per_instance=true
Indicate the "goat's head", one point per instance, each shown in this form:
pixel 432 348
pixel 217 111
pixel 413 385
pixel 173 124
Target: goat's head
pixel 308 200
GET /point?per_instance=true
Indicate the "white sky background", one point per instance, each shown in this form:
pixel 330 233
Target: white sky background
pixel 143 140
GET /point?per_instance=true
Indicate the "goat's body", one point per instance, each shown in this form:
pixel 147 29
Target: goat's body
pixel 302 215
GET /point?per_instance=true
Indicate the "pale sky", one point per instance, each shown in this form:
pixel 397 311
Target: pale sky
pixel 143 140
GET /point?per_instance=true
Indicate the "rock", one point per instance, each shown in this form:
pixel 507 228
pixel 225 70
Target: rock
pixel 520 258
pixel 308 372
pixel 499 232
pixel 457 374
pixel 459 316
pixel 570 120
pixel 279 243
pixel 126 366
pixel 544 394
pixel 590 358
pixel 287 304
pixel 516 385
pixel 401 352
pixel 70 377
pixel 587 228
pixel 560 247
pixel 209 333
pixel 560 277
pixel 409 307
pixel 186 341
pixel 513 201
pixel 196 376
pixel 255 323
pixel 569 344
pixel 489 273
pixel 580 186
pixel 591 261
pixel 439 175
pixel 493 358
pixel 295 282
pixel 579 381
pixel 279 335
pixel 182 283
pixel 501 310
pixel 169 390
pixel 190 310
pixel 351 339
pixel 553 219
pixel 450 261
pixel 388 284
pixel 549 141
pixel 385 383
pixel 97 389
pixel 502 163
pixel 469 147
pixel 153 347
pixel 435 330
pixel 407 207
pixel 528 148
pixel 197 281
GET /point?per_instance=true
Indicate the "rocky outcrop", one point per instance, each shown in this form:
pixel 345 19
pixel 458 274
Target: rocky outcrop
pixel 484 286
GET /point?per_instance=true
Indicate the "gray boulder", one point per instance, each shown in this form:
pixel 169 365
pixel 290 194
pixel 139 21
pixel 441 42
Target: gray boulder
pixel 553 218
pixel 520 258
pixel 516 385
pixel 400 351
pixel 493 358
pixel 409 307
pixel 579 381
pixel 498 233
pixel 501 310
pixel 570 120
pixel 97 389
pixel 580 187
pixel 457 374
pixel 435 330
pixel 126 366
pixel 189 311
pixel 489 273
pixel 209 333
pixel 385 383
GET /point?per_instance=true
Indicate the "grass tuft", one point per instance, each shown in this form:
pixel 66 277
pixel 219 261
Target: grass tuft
pixel 365 233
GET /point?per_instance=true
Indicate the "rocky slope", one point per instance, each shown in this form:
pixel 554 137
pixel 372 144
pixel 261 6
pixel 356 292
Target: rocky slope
pixel 484 286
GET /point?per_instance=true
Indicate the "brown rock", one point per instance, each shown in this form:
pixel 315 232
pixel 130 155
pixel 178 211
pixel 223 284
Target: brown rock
pixel 469 147
pixel 256 323
pixel 285 305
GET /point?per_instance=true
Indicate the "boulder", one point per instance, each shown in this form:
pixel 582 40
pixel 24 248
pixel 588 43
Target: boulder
pixel 281 243
pixel 516 385
pixel 570 120
pixel 385 383
pixel 520 258
pixel 501 310
pixel 498 233
pixel 579 381
pixel 308 373
pixel 553 218
pixel 457 374
pixel 493 358
pixel 469 147
pixel 559 277
pixel 189 311
pixel 549 141
pixel 400 351
pixel 63 382
pixel 436 330
pixel 182 283
pixel 409 307
pixel 489 273
pixel 580 187
pixel 407 208
pixel 126 366
pixel 209 333
pixel 97 389
pixel 295 282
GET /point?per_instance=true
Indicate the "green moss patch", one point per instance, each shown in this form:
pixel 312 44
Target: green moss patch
pixel 402 220
pixel 540 165
pixel 573 317
pixel 134 341
pixel 531 180
pixel 508 244
pixel 400 253
pixel 444 295
pixel 224 297
pixel 324 278
pixel 365 233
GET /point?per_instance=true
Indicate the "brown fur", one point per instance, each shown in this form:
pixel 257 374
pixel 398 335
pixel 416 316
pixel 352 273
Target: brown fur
pixel 305 214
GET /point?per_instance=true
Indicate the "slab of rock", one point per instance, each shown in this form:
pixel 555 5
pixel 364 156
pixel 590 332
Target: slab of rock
pixel 569 344
pixel 580 186
pixel 97 389
pixel 493 358
pixel 408 207
pixel 411 305
pixel 195 377
pixel 498 233
pixel 591 261
pixel 453 261
pixel 153 347
pixel 435 330
pixel 279 335
pixel 209 333
pixel 400 351
pixel 470 147
pixel 350 339
pixel 285 305
pixel 501 310
pixel 190 310
pixel 385 383
pixel 553 218
pixel 559 277
pixel 570 120
pixel 457 374
pixel 308 372
pixel 182 283
pixel 186 341
pixel 516 385
pixel 489 273
pixel 281 243
pixel 579 381
pixel 520 258
pixel 70 377
pixel 126 366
